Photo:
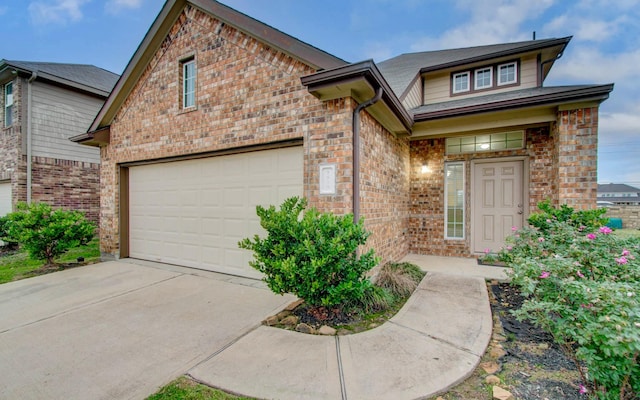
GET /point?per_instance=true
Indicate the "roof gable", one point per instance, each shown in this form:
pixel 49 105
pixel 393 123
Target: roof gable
pixel 165 20
pixel 402 70
pixel 616 188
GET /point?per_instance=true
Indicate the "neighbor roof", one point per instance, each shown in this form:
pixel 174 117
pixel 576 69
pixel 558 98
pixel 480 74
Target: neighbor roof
pixel 82 76
pixel 400 71
pixel 616 188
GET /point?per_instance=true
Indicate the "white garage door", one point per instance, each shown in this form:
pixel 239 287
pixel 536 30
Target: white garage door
pixel 5 198
pixel 194 212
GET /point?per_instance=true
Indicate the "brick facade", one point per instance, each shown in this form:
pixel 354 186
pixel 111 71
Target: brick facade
pixel 11 141
pixel 577 157
pixel 249 94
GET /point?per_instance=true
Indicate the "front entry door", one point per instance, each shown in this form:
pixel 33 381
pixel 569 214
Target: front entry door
pixel 498 203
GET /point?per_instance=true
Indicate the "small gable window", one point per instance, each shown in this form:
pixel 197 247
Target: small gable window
pixel 188 83
pixel 507 73
pixel 484 78
pixel 461 82
pixel 8 104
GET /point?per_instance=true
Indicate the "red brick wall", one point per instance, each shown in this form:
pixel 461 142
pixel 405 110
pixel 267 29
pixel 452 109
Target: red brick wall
pixel 384 189
pixel 71 185
pixel 577 157
pixel 11 143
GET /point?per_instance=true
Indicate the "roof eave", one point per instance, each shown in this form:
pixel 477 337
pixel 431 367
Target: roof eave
pixel 346 80
pixel 504 53
pixel 595 93
pixel 98 138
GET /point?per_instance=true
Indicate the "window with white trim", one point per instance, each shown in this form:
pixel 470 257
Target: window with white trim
pixel 188 83
pixel 483 78
pixel 461 82
pixel 8 104
pixel 507 73
pixel 454 200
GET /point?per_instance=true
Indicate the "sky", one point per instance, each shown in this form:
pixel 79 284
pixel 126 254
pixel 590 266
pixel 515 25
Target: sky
pixel 605 46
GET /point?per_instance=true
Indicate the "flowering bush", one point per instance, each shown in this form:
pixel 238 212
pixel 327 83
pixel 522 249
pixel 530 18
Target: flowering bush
pixel 582 284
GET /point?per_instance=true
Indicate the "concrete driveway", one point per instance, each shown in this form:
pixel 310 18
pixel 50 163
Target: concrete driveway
pixel 120 330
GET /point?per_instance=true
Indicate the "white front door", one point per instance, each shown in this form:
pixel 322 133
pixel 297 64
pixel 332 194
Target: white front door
pixel 498 203
pixel 5 198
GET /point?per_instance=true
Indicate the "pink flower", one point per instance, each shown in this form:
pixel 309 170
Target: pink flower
pixel 625 252
pixel 586 305
pixel 487 251
pixel 514 228
pixel 509 248
pixel 540 239
pixel 622 260
pixel 580 274
pixel 605 230
pixel 591 236
pixel 545 275
pixel 583 390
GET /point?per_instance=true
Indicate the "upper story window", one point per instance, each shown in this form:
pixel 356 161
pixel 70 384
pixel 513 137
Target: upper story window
pixel 507 73
pixel 461 82
pixel 484 78
pixel 8 104
pixel 188 83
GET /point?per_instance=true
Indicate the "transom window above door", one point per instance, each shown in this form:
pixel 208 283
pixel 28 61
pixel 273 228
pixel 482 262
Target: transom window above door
pixel 483 143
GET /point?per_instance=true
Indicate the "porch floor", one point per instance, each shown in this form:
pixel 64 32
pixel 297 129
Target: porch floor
pixel 457 266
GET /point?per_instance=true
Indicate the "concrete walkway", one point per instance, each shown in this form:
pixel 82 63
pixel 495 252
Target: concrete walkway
pixel 121 330
pixel 434 342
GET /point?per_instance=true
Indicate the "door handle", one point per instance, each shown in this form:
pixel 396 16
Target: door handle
pixel 520 209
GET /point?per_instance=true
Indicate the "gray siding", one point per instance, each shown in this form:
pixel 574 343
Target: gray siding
pixel 413 98
pixel 57 115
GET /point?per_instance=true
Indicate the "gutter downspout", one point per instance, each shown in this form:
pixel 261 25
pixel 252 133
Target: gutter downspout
pixel 33 77
pixel 548 61
pixel 356 152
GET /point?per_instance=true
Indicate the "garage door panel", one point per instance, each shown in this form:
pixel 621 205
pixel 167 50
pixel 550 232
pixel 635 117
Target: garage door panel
pixel 194 212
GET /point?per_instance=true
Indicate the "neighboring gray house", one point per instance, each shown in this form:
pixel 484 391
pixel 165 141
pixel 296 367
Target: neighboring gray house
pixel 42 106
pixel 618 194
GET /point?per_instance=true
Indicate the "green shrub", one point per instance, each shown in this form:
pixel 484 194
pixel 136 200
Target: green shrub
pixel 401 279
pixel 312 256
pixel 8 241
pixel 585 219
pixel 582 284
pixel 47 233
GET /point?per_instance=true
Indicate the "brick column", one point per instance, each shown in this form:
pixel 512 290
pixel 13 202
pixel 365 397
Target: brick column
pixel 576 155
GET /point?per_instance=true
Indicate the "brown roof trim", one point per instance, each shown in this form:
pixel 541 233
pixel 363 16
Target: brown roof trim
pixel 164 21
pixel 97 138
pixel 367 70
pixel 593 93
pixel 504 53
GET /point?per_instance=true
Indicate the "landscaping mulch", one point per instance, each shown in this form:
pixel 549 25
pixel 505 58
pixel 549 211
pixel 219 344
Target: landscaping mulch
pixel 534 366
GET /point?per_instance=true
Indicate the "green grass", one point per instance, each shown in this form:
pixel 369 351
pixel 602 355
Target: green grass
pixel 627 233
pixel 186 389
pixel 19 266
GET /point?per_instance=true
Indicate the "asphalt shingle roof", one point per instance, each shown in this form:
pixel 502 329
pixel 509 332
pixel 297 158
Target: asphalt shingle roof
pixel 616 188
pixel 84 74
